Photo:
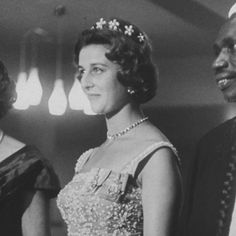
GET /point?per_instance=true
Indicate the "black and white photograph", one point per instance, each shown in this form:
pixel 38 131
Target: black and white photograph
pixel 117 118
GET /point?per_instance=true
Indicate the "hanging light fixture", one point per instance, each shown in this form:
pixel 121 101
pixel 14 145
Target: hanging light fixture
pixel 29 89
pixel 35 91
pixel 57 102
pixel 34 86
pixel 76 96
pixel 22 102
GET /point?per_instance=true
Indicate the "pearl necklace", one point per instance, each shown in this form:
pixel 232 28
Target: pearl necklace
pixel 114 136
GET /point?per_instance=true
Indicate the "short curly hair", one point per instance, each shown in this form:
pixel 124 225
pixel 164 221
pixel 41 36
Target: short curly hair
pixel 138 71
pixel 7 91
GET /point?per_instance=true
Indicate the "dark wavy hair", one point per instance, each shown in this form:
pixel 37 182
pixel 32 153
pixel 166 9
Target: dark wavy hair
pixel 7 91
pixel 138 71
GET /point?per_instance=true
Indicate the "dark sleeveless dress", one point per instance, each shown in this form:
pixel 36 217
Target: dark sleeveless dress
pixel 25 170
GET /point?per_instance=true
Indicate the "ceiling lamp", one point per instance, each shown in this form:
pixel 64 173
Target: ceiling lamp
pixel 29 89
pixel 57 102
pixel 22 102
pixel 76 96
pixel 34 87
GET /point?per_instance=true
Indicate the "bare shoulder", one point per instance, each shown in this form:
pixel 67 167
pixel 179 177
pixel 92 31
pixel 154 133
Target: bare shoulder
pixel 144 139
pixel 9 146
pixel 149 134
pixel 161 160
pixel 12 143
pixel 162 169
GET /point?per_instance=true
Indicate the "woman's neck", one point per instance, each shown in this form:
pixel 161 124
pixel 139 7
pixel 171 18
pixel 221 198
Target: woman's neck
pixel 128 115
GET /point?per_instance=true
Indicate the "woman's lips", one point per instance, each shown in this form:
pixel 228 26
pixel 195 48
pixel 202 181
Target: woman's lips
pixel 93 96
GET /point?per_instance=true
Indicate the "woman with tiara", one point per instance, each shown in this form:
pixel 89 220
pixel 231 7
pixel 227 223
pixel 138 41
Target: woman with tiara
pixel 130 184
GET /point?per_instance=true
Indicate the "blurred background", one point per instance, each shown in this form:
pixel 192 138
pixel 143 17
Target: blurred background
pixel 36 44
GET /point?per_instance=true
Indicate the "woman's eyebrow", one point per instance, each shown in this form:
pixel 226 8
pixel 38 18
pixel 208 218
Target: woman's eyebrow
pixel 99 63
pixel 79 68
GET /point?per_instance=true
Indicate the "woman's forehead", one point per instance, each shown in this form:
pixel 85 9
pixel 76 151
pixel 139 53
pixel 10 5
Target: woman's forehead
pixel 93 52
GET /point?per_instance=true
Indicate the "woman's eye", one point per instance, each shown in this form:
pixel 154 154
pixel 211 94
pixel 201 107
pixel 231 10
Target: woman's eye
pixel 79 74
pixel 97 70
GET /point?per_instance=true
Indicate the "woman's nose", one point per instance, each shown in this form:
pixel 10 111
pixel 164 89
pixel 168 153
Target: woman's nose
pixel 86 81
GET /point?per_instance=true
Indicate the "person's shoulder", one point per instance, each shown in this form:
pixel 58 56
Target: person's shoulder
pixel 150 138
pixel 151 134
pixel 9 146
pixel 12 146
pixel 222 130
pixel 224 126
pixel 12 143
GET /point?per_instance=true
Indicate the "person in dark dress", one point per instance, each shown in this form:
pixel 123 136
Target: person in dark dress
pixel 27 181
pixel 212 203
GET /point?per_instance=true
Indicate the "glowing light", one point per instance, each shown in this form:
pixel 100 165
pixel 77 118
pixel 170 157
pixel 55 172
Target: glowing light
pixel 76 96
pixel 22 101
pixel 57 102
pixel 34 86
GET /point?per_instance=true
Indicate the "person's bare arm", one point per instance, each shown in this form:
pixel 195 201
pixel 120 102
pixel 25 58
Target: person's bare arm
pixel 161 194
pixel 35 220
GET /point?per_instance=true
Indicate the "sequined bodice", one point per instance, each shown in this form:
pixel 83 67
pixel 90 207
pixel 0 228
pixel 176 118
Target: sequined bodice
pixel 102 202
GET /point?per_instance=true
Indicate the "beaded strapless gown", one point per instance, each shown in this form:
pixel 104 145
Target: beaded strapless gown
pixel 102 202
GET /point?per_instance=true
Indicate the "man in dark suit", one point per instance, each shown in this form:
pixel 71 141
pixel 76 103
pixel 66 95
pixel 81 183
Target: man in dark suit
pixel 212 202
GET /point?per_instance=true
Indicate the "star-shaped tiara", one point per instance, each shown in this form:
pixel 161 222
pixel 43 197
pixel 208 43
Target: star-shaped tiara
pixel 116 25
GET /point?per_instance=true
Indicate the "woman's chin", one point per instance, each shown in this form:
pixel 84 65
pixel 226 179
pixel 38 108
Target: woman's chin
pixel 96 110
